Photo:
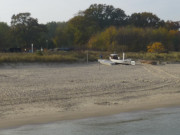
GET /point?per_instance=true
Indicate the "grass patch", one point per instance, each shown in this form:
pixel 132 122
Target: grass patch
pixel 170 57
pixel 27 57
pixel 81 56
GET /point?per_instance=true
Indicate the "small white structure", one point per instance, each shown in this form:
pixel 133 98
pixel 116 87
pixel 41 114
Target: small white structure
pixel 31 48
pixel 41 49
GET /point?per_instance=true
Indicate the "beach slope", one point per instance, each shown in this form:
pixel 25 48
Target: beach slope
pixel 42 93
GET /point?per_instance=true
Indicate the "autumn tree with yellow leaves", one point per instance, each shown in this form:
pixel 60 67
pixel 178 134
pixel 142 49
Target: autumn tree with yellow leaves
pixel 156 47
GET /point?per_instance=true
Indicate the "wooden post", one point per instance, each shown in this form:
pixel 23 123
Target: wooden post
pixel 99 65
pixel 123 56
pixel 87 58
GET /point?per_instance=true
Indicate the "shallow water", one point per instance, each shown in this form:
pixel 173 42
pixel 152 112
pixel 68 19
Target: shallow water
pixel 163 121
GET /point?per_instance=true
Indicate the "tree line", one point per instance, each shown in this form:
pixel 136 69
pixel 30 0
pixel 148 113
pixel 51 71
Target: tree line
pixel 99 27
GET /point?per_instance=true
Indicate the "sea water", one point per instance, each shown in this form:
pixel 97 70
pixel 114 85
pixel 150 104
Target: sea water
pixel 163 121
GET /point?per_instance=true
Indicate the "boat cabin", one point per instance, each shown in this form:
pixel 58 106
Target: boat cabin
pixel 114 56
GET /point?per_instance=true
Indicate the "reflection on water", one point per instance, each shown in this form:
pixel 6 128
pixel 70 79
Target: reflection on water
pixel 155 122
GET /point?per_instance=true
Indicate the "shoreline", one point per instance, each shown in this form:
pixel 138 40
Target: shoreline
pixel 167 100
pixel 39 94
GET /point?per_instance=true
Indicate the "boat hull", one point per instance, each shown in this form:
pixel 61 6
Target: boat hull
pixel 126 61
pixel 106 62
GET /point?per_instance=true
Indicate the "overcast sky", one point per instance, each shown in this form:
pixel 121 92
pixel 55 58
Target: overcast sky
pixel 62 10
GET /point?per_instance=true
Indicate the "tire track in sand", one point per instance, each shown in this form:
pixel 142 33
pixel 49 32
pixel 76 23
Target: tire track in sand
pixel 158 72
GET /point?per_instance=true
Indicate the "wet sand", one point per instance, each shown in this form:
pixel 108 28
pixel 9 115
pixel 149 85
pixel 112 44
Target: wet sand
pixel 42 93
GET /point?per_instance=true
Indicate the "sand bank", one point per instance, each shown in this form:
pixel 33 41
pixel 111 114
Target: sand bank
pixel 41 93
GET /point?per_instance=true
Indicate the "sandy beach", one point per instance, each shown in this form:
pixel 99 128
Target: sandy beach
pixel 42 93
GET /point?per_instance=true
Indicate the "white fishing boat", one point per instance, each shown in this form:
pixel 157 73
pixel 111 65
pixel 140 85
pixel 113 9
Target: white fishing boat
pixel 116 59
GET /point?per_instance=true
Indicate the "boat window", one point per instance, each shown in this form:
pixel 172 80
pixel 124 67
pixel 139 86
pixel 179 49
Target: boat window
pixel 115 57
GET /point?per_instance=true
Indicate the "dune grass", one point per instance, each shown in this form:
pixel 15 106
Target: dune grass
pixel 66 57
pixel 169 57
pixel 81 56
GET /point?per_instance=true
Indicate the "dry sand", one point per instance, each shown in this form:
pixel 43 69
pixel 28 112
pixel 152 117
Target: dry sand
pixel 41 93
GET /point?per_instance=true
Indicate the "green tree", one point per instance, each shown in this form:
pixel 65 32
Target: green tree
pixel 56 35
pixel 105 15
pixel 82 30
pixel 145 19
pixel 26 29
pixel 170 25
pixel 51 27
pixel 93 20
pixel 134 39
pixel 63 36
pixel 5 36
pixel 173 40
pixel 105 40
